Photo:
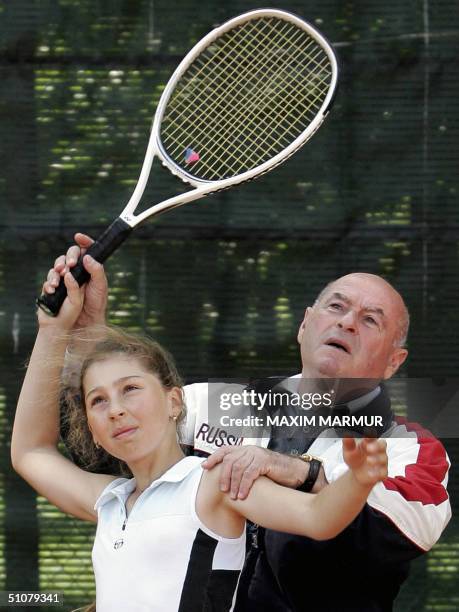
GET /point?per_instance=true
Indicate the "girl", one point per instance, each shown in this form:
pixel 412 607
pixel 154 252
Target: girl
pixel 167 539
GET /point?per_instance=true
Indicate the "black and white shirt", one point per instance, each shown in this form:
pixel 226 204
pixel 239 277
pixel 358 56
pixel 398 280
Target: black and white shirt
pixel 162 558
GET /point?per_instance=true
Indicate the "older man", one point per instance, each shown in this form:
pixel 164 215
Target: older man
pixel 355 329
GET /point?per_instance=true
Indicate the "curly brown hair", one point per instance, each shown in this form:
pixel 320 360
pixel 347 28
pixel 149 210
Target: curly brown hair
pixel 111 340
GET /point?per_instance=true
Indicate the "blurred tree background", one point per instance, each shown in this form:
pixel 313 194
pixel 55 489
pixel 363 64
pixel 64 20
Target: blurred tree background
pixel 223 283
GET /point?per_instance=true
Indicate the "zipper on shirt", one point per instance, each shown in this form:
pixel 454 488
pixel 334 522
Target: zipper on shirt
pixel 120 541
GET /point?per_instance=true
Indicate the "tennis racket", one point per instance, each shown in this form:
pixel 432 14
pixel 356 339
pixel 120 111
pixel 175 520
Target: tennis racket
pixel 242 101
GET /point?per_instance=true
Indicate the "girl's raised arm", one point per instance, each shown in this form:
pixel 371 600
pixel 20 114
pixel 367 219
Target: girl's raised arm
pixel 34 452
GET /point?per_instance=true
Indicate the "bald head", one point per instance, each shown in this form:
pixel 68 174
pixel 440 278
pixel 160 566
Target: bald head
pixel 355 329
pixel 402 314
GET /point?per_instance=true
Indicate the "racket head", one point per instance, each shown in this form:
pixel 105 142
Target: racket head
pixel 245 98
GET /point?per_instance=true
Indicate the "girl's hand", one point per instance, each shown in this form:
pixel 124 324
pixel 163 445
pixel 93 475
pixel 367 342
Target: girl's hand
pixel 367 458
pixel 96 289
pixel 70 310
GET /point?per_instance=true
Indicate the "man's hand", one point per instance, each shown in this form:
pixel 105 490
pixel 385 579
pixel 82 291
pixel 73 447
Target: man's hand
pixel 96 290
pixel 242 465
pixel 367 459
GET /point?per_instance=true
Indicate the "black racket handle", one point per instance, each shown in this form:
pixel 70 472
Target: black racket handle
pixel 101 249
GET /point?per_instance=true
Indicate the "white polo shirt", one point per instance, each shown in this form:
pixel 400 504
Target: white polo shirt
pixel 162 558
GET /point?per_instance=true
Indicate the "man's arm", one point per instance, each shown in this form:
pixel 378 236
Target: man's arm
pixel 320 516
pixel 414 496
pixel 242 465
pixel 406 513
pixel 404 516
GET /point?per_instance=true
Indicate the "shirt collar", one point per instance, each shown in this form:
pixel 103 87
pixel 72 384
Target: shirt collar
pixel 123 487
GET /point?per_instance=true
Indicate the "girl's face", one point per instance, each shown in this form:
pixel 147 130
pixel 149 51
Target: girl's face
pixel 129 411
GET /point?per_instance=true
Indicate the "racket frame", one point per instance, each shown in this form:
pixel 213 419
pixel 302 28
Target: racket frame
pixel 122 226
pixel 205 187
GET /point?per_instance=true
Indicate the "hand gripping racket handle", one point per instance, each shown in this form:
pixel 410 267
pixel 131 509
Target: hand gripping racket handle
pixel 101 249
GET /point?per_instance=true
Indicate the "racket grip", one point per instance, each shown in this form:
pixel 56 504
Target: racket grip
pixel 100 250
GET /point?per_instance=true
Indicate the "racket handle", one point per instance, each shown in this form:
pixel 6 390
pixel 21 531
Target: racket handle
pixel 100 250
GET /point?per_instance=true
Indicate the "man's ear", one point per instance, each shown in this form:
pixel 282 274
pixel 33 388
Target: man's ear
pixel 307 312
pixel 395 361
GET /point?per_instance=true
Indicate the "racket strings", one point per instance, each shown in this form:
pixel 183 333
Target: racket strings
pixel 258 125
pixel 272 141
pixel 254 103
pixel 254 115
pixel 263 132
pixel 247 110
pixel 250 67
pixel 219 86
pixel 245 98
pixel 228 79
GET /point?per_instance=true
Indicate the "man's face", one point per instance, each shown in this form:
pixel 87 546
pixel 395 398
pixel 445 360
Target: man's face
pixel 352 331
